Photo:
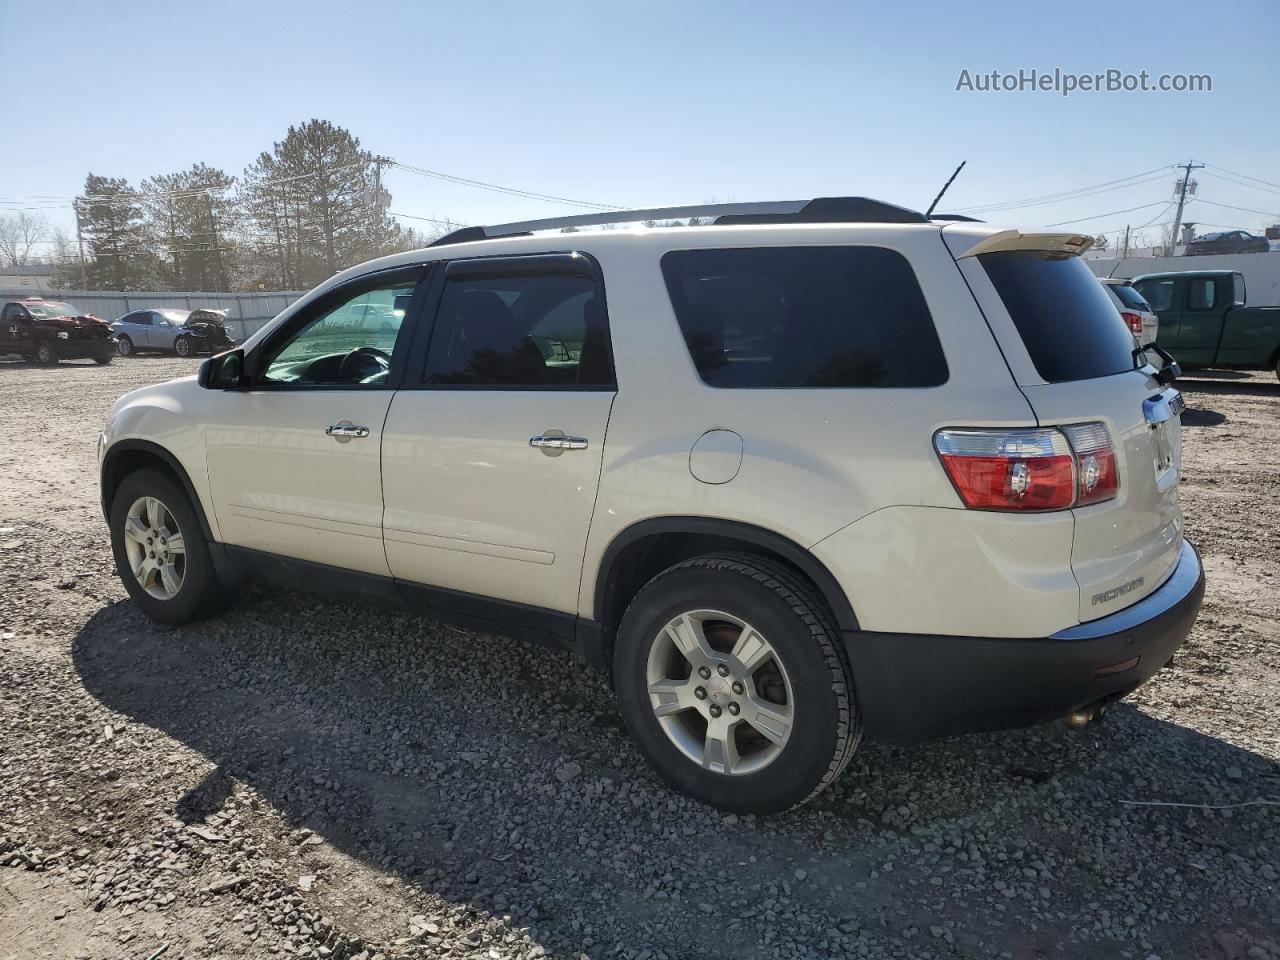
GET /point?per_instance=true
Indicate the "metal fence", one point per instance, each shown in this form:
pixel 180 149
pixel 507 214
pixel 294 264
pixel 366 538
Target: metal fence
pixel 246 312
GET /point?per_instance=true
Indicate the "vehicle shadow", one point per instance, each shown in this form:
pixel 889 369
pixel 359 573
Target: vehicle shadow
pixel 1194 417
pixel 442 757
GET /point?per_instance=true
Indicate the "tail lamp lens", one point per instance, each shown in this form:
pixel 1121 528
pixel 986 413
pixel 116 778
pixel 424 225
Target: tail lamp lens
pixel 1009 469
pixel 1029 468
pixel 1134 321
pixel 1099 479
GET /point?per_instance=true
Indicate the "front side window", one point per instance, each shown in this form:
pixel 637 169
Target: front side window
pixel 348 344
pixel 1201 294
pixel 797 317
pixel 537 330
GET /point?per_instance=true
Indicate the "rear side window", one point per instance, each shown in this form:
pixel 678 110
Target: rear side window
pixel 1069 325
pixel 796 317
pixel 538 330
pixel 1128 296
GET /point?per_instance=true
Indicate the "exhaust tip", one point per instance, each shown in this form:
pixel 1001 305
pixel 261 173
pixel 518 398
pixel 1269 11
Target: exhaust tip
pixel 1079 719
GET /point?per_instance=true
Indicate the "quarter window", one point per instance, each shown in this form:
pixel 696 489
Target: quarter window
pixel 536 330
pixel 796 317
pixel 351 344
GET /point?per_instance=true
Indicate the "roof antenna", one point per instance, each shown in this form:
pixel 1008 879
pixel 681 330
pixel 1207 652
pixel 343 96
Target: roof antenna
pixel 929 212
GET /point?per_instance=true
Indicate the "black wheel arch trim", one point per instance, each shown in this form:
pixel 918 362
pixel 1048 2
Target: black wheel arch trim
pixel 116 450
pixel 747 533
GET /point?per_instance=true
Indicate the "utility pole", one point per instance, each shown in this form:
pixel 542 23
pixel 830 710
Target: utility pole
pixel 1182 199
pixel 84 280
pixel 1124 248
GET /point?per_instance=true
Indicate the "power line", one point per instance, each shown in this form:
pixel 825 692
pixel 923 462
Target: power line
pixel 1068 194
pixel 1244 176
pixel 1240 183
pixel 1063 223
pixel 499 188
pixel 1214 203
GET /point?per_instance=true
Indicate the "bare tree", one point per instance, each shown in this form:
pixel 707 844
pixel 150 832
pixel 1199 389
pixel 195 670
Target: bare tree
pixel 19 235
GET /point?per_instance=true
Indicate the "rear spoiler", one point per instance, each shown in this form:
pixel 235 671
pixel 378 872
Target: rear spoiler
pixel 1005 240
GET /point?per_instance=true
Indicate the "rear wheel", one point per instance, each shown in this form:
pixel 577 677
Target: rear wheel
pixel 731 680
pixel 161 553
pixel 46 353
pixel 182 346
pixel 124 346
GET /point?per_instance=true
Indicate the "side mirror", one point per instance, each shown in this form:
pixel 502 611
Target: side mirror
pixel 225 371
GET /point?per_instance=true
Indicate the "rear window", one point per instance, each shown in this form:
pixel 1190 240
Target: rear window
pixel 1067 322
pixel 1129 296
pixel 796 317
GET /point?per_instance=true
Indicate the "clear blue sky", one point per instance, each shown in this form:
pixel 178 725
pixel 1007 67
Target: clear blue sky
pixel 638 104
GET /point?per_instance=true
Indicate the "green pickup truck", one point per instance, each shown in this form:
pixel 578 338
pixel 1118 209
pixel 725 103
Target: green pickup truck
pixel 1204 322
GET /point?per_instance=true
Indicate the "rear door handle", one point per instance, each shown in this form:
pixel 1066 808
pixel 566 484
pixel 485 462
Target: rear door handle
pixel 557 442
pixel 346 431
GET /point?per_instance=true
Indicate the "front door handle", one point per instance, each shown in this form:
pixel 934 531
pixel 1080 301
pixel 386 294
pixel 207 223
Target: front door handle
pixel 346 431
pixel 551 441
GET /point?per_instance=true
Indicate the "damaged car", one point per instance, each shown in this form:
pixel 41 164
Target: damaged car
pixel 182 332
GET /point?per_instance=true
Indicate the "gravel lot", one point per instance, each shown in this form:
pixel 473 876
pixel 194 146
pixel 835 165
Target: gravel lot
pixel 301 777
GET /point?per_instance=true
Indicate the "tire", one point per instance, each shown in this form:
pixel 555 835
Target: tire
pixel 199 593
pixel 804 679
pixel 46 353
pixel 124 346
pixel 103 359
pixel 182 346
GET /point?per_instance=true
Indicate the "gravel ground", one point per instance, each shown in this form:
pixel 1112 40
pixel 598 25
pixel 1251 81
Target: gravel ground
pixel 301 777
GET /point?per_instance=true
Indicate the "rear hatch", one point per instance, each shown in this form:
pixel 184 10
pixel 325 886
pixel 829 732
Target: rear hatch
pixel 1073 358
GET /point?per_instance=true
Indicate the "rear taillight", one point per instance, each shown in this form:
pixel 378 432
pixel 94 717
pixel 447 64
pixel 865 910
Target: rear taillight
pixel 1029 468
pixel 1095 462
pixel 1133 321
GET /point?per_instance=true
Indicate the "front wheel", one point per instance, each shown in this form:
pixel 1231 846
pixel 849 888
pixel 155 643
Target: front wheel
pixel 182 346
pixel 103 359
pixel 161 553
pixel 46 354
pixel 124 346
pixel 731 680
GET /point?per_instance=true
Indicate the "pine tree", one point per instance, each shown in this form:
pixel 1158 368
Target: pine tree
pixel 115 235
pixel 190 216
pixel 316 205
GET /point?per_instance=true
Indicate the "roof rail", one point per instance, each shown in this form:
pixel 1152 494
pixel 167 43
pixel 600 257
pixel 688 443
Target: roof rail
pixel 818 210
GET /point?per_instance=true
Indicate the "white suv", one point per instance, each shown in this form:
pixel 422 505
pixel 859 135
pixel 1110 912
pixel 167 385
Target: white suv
pixel 811 472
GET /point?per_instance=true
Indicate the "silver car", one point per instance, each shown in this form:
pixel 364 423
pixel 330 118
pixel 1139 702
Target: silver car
pixel 184 332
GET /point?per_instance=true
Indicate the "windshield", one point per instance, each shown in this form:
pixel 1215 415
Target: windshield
pixel 174 316
pixel 53 308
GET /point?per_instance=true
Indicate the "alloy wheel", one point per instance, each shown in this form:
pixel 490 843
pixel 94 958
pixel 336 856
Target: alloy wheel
pixel 155 548
pixel 720 692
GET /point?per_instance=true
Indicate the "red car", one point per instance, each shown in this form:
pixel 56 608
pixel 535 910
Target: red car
pixel 47 331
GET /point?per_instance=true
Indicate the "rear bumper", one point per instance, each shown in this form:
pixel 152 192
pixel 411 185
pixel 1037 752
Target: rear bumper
pixel 913 687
